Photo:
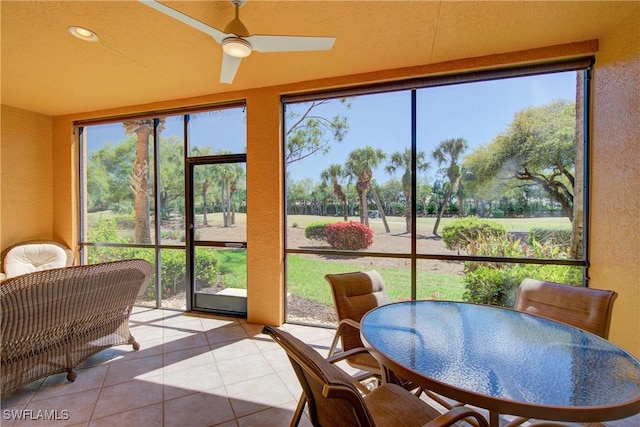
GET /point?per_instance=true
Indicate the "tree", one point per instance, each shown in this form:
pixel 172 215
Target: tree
pixel 298 194
pixel 204 177
pixel 139 180
pixel 448 152
pixel 332 175
pixel 360 166
pixel 402 160
pixel 541 144
pixel 109 172
pixel 423 194
pixel 228 175
pixel 308 133
pixel 392 196
pixel 538 147
pixel 171 197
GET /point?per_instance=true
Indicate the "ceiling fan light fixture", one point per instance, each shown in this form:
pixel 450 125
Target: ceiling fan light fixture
pixel 83 33
pixel 236 47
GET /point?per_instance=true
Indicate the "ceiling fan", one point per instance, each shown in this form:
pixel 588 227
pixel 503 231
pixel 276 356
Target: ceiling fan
pixel 238 43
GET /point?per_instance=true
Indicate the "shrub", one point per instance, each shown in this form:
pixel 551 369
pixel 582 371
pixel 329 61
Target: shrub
pixel 316 231
pixel 173 261
pixel 461 232
pixel 349 235
pixel 173 270
pixel 125 222
pixel 103 230
pixel 554 236
pixel 497 283
pixel 207 266
pixel 125 207
pixel 177 235
pixel 489 285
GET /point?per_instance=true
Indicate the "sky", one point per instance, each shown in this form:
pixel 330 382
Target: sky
pixel 476 112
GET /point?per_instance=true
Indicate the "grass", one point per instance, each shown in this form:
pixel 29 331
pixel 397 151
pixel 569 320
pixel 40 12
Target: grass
pixel 306 279
pixel 233 267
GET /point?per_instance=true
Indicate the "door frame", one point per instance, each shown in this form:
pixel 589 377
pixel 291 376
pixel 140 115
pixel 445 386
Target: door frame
pixel 229 305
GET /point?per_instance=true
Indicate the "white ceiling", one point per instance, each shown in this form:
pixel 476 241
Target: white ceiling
pixel 144 56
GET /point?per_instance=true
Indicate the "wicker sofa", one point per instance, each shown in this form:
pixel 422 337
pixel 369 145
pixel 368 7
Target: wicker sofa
pixel 55 319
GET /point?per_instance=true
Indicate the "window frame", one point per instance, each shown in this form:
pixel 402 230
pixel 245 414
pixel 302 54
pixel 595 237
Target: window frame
pixel 79 128
pixel 584 64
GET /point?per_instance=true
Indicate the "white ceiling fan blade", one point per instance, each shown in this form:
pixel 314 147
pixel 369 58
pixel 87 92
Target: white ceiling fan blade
pixel 230 66
pixel 266 43
pixel 216 34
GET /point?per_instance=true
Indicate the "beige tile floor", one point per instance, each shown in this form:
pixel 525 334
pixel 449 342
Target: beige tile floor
pixel 190 371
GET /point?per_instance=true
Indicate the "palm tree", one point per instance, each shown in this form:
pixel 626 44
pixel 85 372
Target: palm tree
pixel 139 180
pixel 402 160
pixel 360 165
pixel 448 152
pixel 332 174
pixel 205 177
pixel 228 176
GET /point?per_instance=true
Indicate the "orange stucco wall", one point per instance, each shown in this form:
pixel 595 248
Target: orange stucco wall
pixel 613 144
pixel 615 178
pixel 265 239
pixel 26 177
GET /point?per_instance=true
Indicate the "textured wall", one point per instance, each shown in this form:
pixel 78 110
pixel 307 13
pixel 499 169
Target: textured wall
pixel 615 178
pixel 265 247
pixel 26 177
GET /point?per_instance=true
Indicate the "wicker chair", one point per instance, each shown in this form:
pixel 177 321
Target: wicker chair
pixel 53 320
pixel 584 308
pixel 335 399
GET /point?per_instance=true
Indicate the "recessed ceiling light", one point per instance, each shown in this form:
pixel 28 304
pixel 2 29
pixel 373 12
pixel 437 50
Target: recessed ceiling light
pixel 83 34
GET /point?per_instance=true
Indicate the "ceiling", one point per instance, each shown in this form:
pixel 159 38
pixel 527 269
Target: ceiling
pixel 144 56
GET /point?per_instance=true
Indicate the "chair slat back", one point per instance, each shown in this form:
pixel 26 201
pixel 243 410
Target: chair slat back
pixel 584 308
pixel 331 398
pixel 354 294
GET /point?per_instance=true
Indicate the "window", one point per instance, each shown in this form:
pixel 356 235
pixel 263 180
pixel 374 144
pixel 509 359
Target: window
pixel 453 187
pixel 133 189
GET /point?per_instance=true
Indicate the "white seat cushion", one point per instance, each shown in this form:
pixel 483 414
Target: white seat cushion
pixel 28 258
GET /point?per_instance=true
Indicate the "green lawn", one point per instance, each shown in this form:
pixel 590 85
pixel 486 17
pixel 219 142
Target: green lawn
pixel 305 278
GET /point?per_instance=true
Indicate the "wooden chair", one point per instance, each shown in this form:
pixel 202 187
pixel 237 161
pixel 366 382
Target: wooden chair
pixel 335 399
pixel 584 308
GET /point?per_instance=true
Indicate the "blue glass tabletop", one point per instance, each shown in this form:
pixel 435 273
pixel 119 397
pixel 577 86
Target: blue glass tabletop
pixel 503 354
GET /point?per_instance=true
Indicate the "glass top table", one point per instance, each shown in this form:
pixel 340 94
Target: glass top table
pixel 504 361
